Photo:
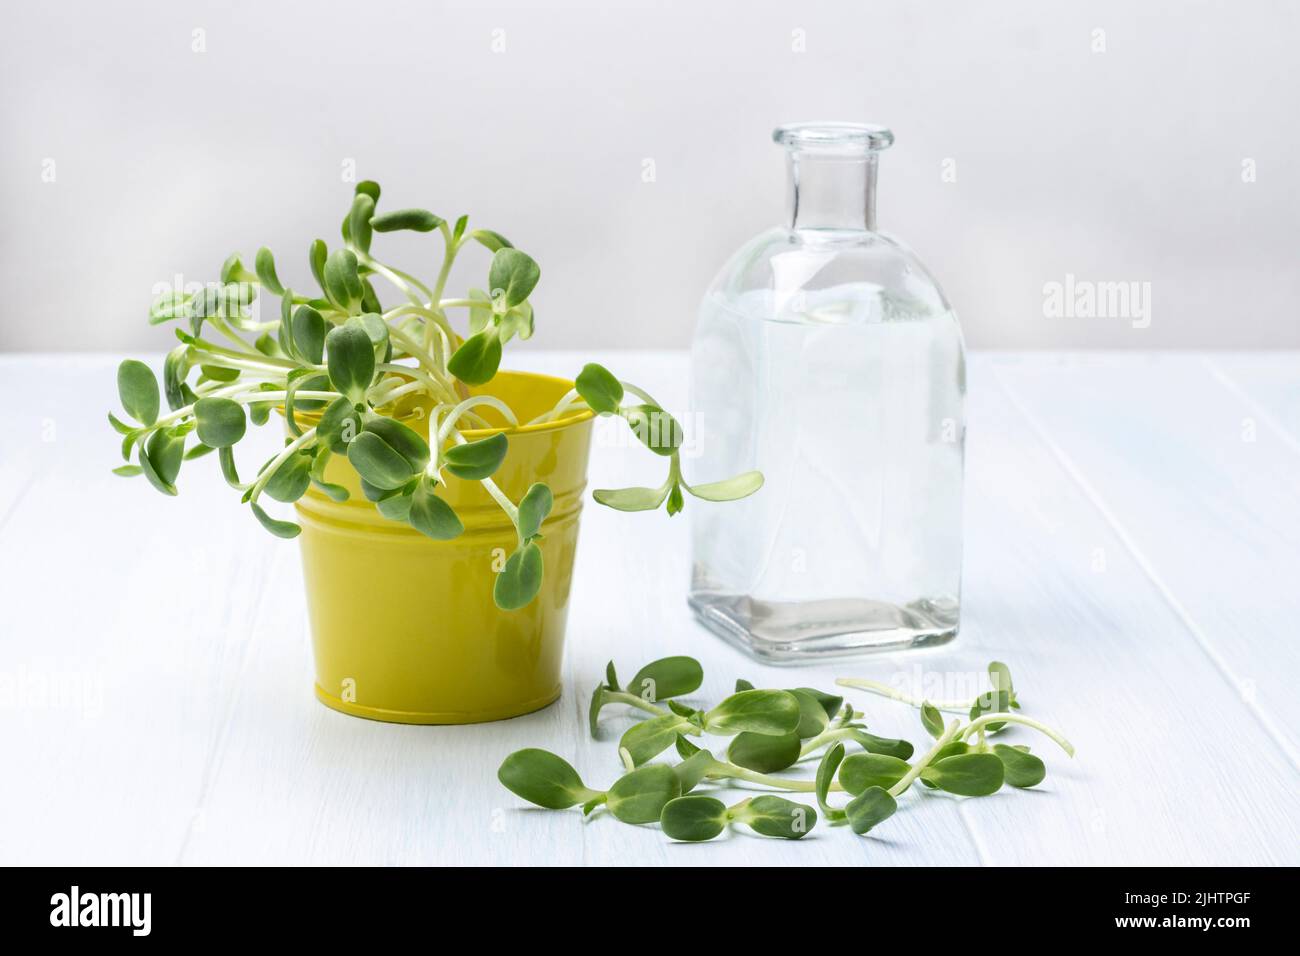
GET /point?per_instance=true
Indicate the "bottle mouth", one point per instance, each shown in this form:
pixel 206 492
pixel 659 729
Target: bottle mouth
pixel 843 138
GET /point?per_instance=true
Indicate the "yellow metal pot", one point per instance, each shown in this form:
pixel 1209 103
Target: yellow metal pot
pixel 404 627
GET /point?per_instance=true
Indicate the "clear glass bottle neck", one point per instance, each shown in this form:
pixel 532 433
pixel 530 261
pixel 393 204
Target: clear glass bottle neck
pixel 832 191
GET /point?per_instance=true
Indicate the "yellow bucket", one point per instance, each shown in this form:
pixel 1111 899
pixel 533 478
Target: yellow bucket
pixel 404 628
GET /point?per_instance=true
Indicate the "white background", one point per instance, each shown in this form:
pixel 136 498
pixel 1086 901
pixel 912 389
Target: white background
pixel 1122 165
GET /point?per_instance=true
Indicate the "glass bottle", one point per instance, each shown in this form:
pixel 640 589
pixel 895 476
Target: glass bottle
pixel 826 356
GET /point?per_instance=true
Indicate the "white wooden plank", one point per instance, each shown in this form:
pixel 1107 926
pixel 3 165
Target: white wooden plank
pixel 133 607
pixel 1172 768
pixel 1204 496
pixel 1268 385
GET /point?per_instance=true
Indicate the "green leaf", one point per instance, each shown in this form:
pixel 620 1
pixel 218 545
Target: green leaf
pixel 370 298
pixel 233 271
pixel 830 704
pixel 871 807
pixel 861 771
pixel 813 716
pixel 339 424
pixel 931 719
pixel 953 749
pixel 758 711
pixel 378 462
pixel 281 529
pixel 641 795
pixel 376 330
pixel 376 494
pixel 351 361
pixel 521 578
pixel 694 768
pixel 269 346
pixel 543 779
pixel 150 472
pixel 493 240
pixel 238 295
pixel 138 391
pixel 766 753
pixel 128 471
pixel 654 427
pixel 291 479
pixel 260 412
pixel 477 460
pixel 477 359
pixel 416 220
pixel 404 440
pixel 342 281
pixel 512 276
pixel 970 775
pixel 119 426
pixel 166 448
pixel 682 710
pixel 292 403
pixel 693 819
pixel 667 677
pixel 175 368
pixel 675 499
pixel 207 302
pixel 649 738
pixel 732 489
pixel 168 306
pixel 221 422
pixel 432 516
pixel 599 388
pixel 776 817
pixel 397 507
pixel 283 331
pixel 370 188
pixel 320 458
pixel 888 746
pixel 599 698
pixel 518 321
pixel 685 749
pixel 308 330
pixel 611 676
pixel 227 458
pixel 480 312
pixel 1020 768
pixel 316 257
pixel 830 763
pixel 534 506
pixel 631 499
pixel 359 228
pixel 264 263
pixel 992 702
pixel 217 373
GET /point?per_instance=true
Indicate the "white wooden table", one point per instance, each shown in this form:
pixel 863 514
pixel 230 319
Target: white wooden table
pixel 1133 551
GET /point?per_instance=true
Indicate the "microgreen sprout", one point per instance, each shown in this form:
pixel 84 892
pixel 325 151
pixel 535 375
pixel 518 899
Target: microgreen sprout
pixel 351 375
pixel 772 731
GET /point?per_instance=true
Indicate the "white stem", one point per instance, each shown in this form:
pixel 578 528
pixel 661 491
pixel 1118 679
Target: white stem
pixel 474 400
pixel 985 719
pixel 884 690
pixel 911 775
pixel 305 438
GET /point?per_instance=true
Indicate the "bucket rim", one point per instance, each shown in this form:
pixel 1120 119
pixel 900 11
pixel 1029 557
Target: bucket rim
pixel 573 417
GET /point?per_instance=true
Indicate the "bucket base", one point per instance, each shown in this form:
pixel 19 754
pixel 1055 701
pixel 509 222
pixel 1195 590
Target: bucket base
pixel 434 717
